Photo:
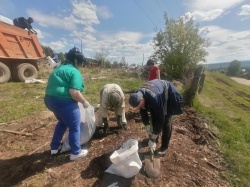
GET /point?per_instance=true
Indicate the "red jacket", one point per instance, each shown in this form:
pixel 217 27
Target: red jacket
pixel 152 73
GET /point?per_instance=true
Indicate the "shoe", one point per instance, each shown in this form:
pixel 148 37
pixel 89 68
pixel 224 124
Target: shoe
pixel 81 154
pixel 161 152
pixel 54 152
pixel 124 126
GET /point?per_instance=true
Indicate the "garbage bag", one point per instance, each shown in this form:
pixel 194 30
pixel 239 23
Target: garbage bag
pixel 87 127
pixel 126 161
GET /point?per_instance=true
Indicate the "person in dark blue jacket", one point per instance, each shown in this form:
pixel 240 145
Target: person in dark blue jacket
pixel 157 101
pixel 24 23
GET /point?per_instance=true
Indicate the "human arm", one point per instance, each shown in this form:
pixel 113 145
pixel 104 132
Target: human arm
pixel 76 86
pixel 77 96
pixel 158 76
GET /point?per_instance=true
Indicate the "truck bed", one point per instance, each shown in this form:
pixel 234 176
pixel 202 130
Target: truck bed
pixel 17 43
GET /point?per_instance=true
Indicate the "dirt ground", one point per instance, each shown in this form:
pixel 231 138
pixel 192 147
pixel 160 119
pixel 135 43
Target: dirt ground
pixel 191 160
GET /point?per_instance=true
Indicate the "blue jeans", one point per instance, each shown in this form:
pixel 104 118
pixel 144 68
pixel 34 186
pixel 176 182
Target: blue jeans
pixel 68 115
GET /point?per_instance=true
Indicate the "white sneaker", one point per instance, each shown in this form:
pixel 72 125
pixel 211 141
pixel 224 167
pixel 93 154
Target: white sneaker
pixel 54 152
pixel 82 154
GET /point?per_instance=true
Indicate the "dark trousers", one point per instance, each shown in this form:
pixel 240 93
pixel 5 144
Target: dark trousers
pixel 166 132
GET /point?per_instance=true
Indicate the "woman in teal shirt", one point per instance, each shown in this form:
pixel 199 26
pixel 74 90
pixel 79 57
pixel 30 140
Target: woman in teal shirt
pixel 63 92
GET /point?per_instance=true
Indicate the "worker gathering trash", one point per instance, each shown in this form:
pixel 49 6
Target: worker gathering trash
pixel 24 23
pixel 156 101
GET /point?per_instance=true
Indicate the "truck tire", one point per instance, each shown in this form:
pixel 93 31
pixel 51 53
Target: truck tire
pixel 4 73
pixel 25 72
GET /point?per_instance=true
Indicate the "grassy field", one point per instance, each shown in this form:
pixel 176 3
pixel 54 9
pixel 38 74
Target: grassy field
pixel 226 105
pixel 20 99
pixel 223 102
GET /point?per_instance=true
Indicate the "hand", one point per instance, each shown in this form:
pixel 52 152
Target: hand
pixel 152 145
pixel 86 104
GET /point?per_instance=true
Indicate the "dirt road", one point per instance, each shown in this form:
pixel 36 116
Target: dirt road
pixel 241 80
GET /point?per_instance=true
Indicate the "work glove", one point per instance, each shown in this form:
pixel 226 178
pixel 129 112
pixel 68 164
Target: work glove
pixel 86 104
pixel 120 124
pixel 106 125
pixel 152 144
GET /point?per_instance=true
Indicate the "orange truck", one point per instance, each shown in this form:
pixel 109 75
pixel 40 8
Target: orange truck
pixel 19 52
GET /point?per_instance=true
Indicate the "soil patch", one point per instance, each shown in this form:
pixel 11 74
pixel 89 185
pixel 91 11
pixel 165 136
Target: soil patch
pixel 191 160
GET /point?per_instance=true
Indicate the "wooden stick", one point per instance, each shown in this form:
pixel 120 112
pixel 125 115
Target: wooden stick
pixel 17 132
pixel 39 148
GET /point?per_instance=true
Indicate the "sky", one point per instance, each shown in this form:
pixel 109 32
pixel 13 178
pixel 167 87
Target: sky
pixel 126 28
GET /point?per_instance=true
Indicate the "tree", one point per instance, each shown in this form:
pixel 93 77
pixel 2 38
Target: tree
pixel 180 46
pixel 101 56
pixel 47 50
pixel 233 68
pixel 61 56
pixel 123 61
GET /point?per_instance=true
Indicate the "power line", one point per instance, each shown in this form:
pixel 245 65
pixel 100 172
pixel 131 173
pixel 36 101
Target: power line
pixel 158 17
pixel 145 13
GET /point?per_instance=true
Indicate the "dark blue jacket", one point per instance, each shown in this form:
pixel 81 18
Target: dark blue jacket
pixel 154 95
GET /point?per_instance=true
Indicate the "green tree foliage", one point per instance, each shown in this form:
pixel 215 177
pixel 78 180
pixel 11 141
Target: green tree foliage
pixel 180 46
pixel 47 50
pixel 234 68
pixel 61 56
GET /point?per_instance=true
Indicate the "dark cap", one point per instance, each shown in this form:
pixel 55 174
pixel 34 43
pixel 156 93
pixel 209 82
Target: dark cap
pixel 135 99
pixel 150 62
pixel 75 54
pixel 30 20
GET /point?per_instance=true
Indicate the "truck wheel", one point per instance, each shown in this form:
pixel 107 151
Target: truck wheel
pixel 4 73
pixel 25 71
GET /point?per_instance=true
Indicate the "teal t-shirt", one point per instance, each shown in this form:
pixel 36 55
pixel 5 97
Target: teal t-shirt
pixel 63 78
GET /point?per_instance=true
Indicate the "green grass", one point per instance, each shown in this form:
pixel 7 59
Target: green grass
pixel 20 99
pixel 226 105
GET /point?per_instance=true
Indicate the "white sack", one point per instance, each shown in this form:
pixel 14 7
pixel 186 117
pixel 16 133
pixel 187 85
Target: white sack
pixel 126 161
pixel 51 62
pixel 87 127
pixel 6 20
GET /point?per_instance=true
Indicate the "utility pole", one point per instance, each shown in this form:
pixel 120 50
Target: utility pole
pixel 81 45
pixel 142 59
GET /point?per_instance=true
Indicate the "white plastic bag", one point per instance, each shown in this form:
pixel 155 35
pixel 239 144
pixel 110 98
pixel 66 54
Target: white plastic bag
pixel 87 127
pixel 126 161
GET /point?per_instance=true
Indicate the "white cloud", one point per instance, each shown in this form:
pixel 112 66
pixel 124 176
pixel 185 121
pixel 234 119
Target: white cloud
pixel 52 21
pixel 122 36
pixel 39 33
pixel 57 45
pixel 228 45
pixel 201 5
pixel 85 11
pixel 103 12
pixel 205 15
pixel 245 10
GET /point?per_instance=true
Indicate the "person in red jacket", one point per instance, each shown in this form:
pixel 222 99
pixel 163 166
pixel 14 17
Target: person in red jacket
pixel 153 70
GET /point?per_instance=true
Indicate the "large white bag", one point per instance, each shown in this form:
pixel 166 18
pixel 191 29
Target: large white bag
pixel 87 126
pixel 126 161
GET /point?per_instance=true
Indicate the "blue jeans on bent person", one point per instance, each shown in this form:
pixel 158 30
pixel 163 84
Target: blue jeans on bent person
pixel 68 115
